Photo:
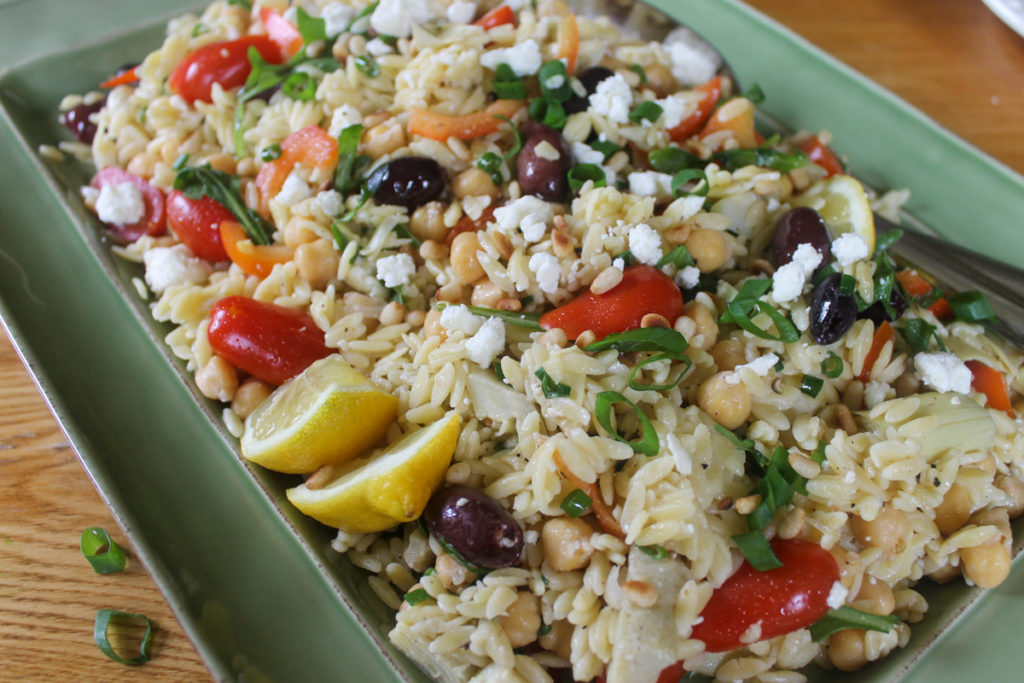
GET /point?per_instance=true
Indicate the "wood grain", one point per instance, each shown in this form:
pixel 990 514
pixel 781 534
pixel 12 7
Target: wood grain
pixel 951 58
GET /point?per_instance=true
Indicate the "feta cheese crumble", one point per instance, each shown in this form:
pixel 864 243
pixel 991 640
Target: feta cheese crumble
pixel 673 109
pixel 336 16
pixel 645 244
pixel 120 204
pixel 344 116
pixel 943 372
pixel 807 256
pixel 585 154
pixel 837 595
pixel 524 58
pixel 397 17
pixel 688 277
pixel 484 346
pixel 458 318
pixel 294 190
pixel 461 12
pixel 761 366
pixel 651 184
pixel 547 270
pixel 170 266
pixel 693 60
pixel 612 98
pixel 788 282
pixel 330 202
pixel 849 248
pixel 528 213
pixel 396 270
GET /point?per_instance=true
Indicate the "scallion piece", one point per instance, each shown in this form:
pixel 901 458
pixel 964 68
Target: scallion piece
pixel 971 306
pixel 271 152
pixel 655 551
pixel 299 86
pixel 672 160
pixel 550 387
pixel 639 70
pixel 756 549
pixel 845 617
pixel 554 81
pixel 490 163
pixel 832 366
pixel 687 175
pixel 811 385
pixel 415 597
pixel 508 86
pixel 678 257
pixel 647 444
pixel 576 503
pixel 528 320
pixel 105 556
pixel 548 112
pixel 106 617
pixel 764 157
pixel 606 148
pixel 646 111
pixel 581 173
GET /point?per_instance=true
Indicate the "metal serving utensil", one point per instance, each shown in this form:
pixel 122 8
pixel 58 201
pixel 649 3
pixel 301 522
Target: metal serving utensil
pixel 949 265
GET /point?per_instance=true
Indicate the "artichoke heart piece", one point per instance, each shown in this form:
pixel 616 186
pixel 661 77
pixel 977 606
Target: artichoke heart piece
pixel 948 420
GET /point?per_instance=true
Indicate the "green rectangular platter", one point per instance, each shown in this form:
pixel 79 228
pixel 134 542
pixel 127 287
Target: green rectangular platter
pixel 253 583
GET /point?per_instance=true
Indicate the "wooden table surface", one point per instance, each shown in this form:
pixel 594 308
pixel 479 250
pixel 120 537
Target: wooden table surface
pixel 953 59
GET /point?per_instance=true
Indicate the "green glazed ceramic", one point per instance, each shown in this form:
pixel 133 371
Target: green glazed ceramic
pixel 253 582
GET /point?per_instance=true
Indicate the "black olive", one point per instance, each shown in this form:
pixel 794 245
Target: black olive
pixel 407 181
pixel 832 311
pixel 537 174
pixel 475 526
pixel 589 78
pixel 801 225
pixel 77 121
pixel 876 312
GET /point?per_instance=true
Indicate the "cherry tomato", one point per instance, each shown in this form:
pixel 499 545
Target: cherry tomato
pixel 226 62
pixel 781 600
pixel 643 290
pixel 281 31
pixel 312 146
pixel 712 91
pixel 821 154
pixel 153 221
pixel 270 342
pixel 196 222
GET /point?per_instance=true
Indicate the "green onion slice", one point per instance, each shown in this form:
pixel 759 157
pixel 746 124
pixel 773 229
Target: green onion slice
pixel 655 551
pixel 299 86
pixel 832 366
pixel 845 617
pixel 576 503
pixel 105 556
pixel 756 549
pixel 549 112
pixel 672 160
pixel 554 81
pixel 415 597
pixel 549 386
pixel 270 152
pixel 811 385
pixel 581 173
pixel 686 175
pixel 528 320
pixel 106 617
pixel 606 148
pixel 647 444
pixel 646 111
pixel 971 306
pixel 508 86
pixel 678 257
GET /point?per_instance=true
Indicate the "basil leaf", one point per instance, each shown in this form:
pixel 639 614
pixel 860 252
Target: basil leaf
pixel 646 111
pixel 660 339
pixel 310 28
pixel 529 320
pixel 415 597
pixel 581 173
pixel 754 94
pixel 346 176
pixel 647 444
pixel 746 445
pixel 200 181
pixel 845 617
pixel 351 28
pixel 550 387
pixel 633 384
pixel 756 549
pixel 606 148
pixel 672 160
pixel 507 85
pixel 686 175
pixel 971 306
pixel 299 86
pixel 402 231
pixel 368 66
pixel 918 332
pixel 342 235
pixel 678 257
pixel 554 81
pixel 576 503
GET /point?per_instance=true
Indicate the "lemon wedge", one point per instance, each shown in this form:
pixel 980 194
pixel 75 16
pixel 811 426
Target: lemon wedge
pixel 844 206
pixel 328 414
pixel 387 487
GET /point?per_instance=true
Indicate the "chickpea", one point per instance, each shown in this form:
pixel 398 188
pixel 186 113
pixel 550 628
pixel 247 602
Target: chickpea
pixel 875 596
pixel 1014 488
pixel 298 230
pixel 427 222
pixel 846 650
pixel 708 248
pixel 728 354
pixel 986 565
pixel 317 262
pixel 521 620
pixel 450 571
pixel 566 543
pixel 486 293
pixel 217 379
pixel 432 325
pixel 954 510
pixel 885 531
pixel 660 79
pixel 558 639
pixel 384 138
pixel 728 404
pixel 465 263
pixel 707 326
pixel 142 165
pixel 249 396
pixel 474 182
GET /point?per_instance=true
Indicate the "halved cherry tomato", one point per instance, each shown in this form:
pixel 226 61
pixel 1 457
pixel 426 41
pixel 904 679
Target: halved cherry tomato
pixel 781 600
pixel 501 14
pixel 311 146
pixel 281 31
pixel 226 62
pixel 270 342
pixel 689 126
pixel 643 290
pixel 915 285
pixel 736 116
pixel 990 382
pixel 258 260
pixel 196 222
pixel 821 154
pixel 153 221
pixel 467 127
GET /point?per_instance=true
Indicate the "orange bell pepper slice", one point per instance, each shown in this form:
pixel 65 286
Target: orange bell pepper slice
pixel 990 382
pixel 311 146
pixel 467 127
pixel 736 116
pixel 915 285
pixel 126 77
pixel 568 41
pixel 883 335
pixel 281 31
pixel 258 260
pixel 498 16
pixel 688 127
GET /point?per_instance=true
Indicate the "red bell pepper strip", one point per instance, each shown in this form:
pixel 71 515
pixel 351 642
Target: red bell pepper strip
pixel 991 382
pixel 688 127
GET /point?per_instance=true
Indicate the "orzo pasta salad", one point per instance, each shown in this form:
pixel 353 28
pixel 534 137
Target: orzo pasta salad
pixel 596 379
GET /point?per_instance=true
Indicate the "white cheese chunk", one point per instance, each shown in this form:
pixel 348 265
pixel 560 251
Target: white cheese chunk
pixel 489 341
pixel 943 372
pixel 396 270
pixel 293 190
pixel 458 318
pixel 547 271
pixel 761 366
pixel 585 154
pixel 612 98
pixel 170 266
pixel 461 12
pixel 788 282
pixel 336 16
pixel 120 204
pixel 693 60
pixel 397 17
pixel 528 213
pixel 330 202
pixel 524 58
pixel 688 277
pixel 807 256
pixel 651 184
pixel 849 248
pixel 645 244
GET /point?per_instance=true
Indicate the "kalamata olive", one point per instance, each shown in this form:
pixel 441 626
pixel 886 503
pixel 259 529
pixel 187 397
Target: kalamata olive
pixel 876 312
pixel 407 181
pixel 475 526
pixel 543 163
pixel 77 121
pixel 801 225
pixel 832 310
pixel 589 78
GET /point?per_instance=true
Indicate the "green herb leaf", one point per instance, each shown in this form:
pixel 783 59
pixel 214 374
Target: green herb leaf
pixel 364 196
pixel 490 163
pixel 818 455
pixel 342 235
pixel 659 339
pixel 639 72
pixel 832 366
pixel 845 617
pixel 746 445
pixel 756 549
pixel 581 173
pixel 299 86
pixel 754 94
pixel 548 112
pixel 368 66
pixel 550 387
pixel 606 148
pixel 353 25
pixel 543 630
pixel 180 162
pixel 655 551
pixel 498 371
pixel 415 597
pixel 346 177
pixel 200 181
pixel 271 152
pixel 678 257
pixel 971 306
pixel 647 444
pixel 672 160
pixel 528 320
pixel 918 332
pixel 784 162
pixel 105 556
pixel 554 81
pixel 106 617
pixel 507 85
pixel 646 111
pixel 811 385
pixel 402 231
pixel 310 28
pixel 687 175
pixel 517 144
pixel 576 503
pixel 241 3
pixel 884 240
pixel 450 549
